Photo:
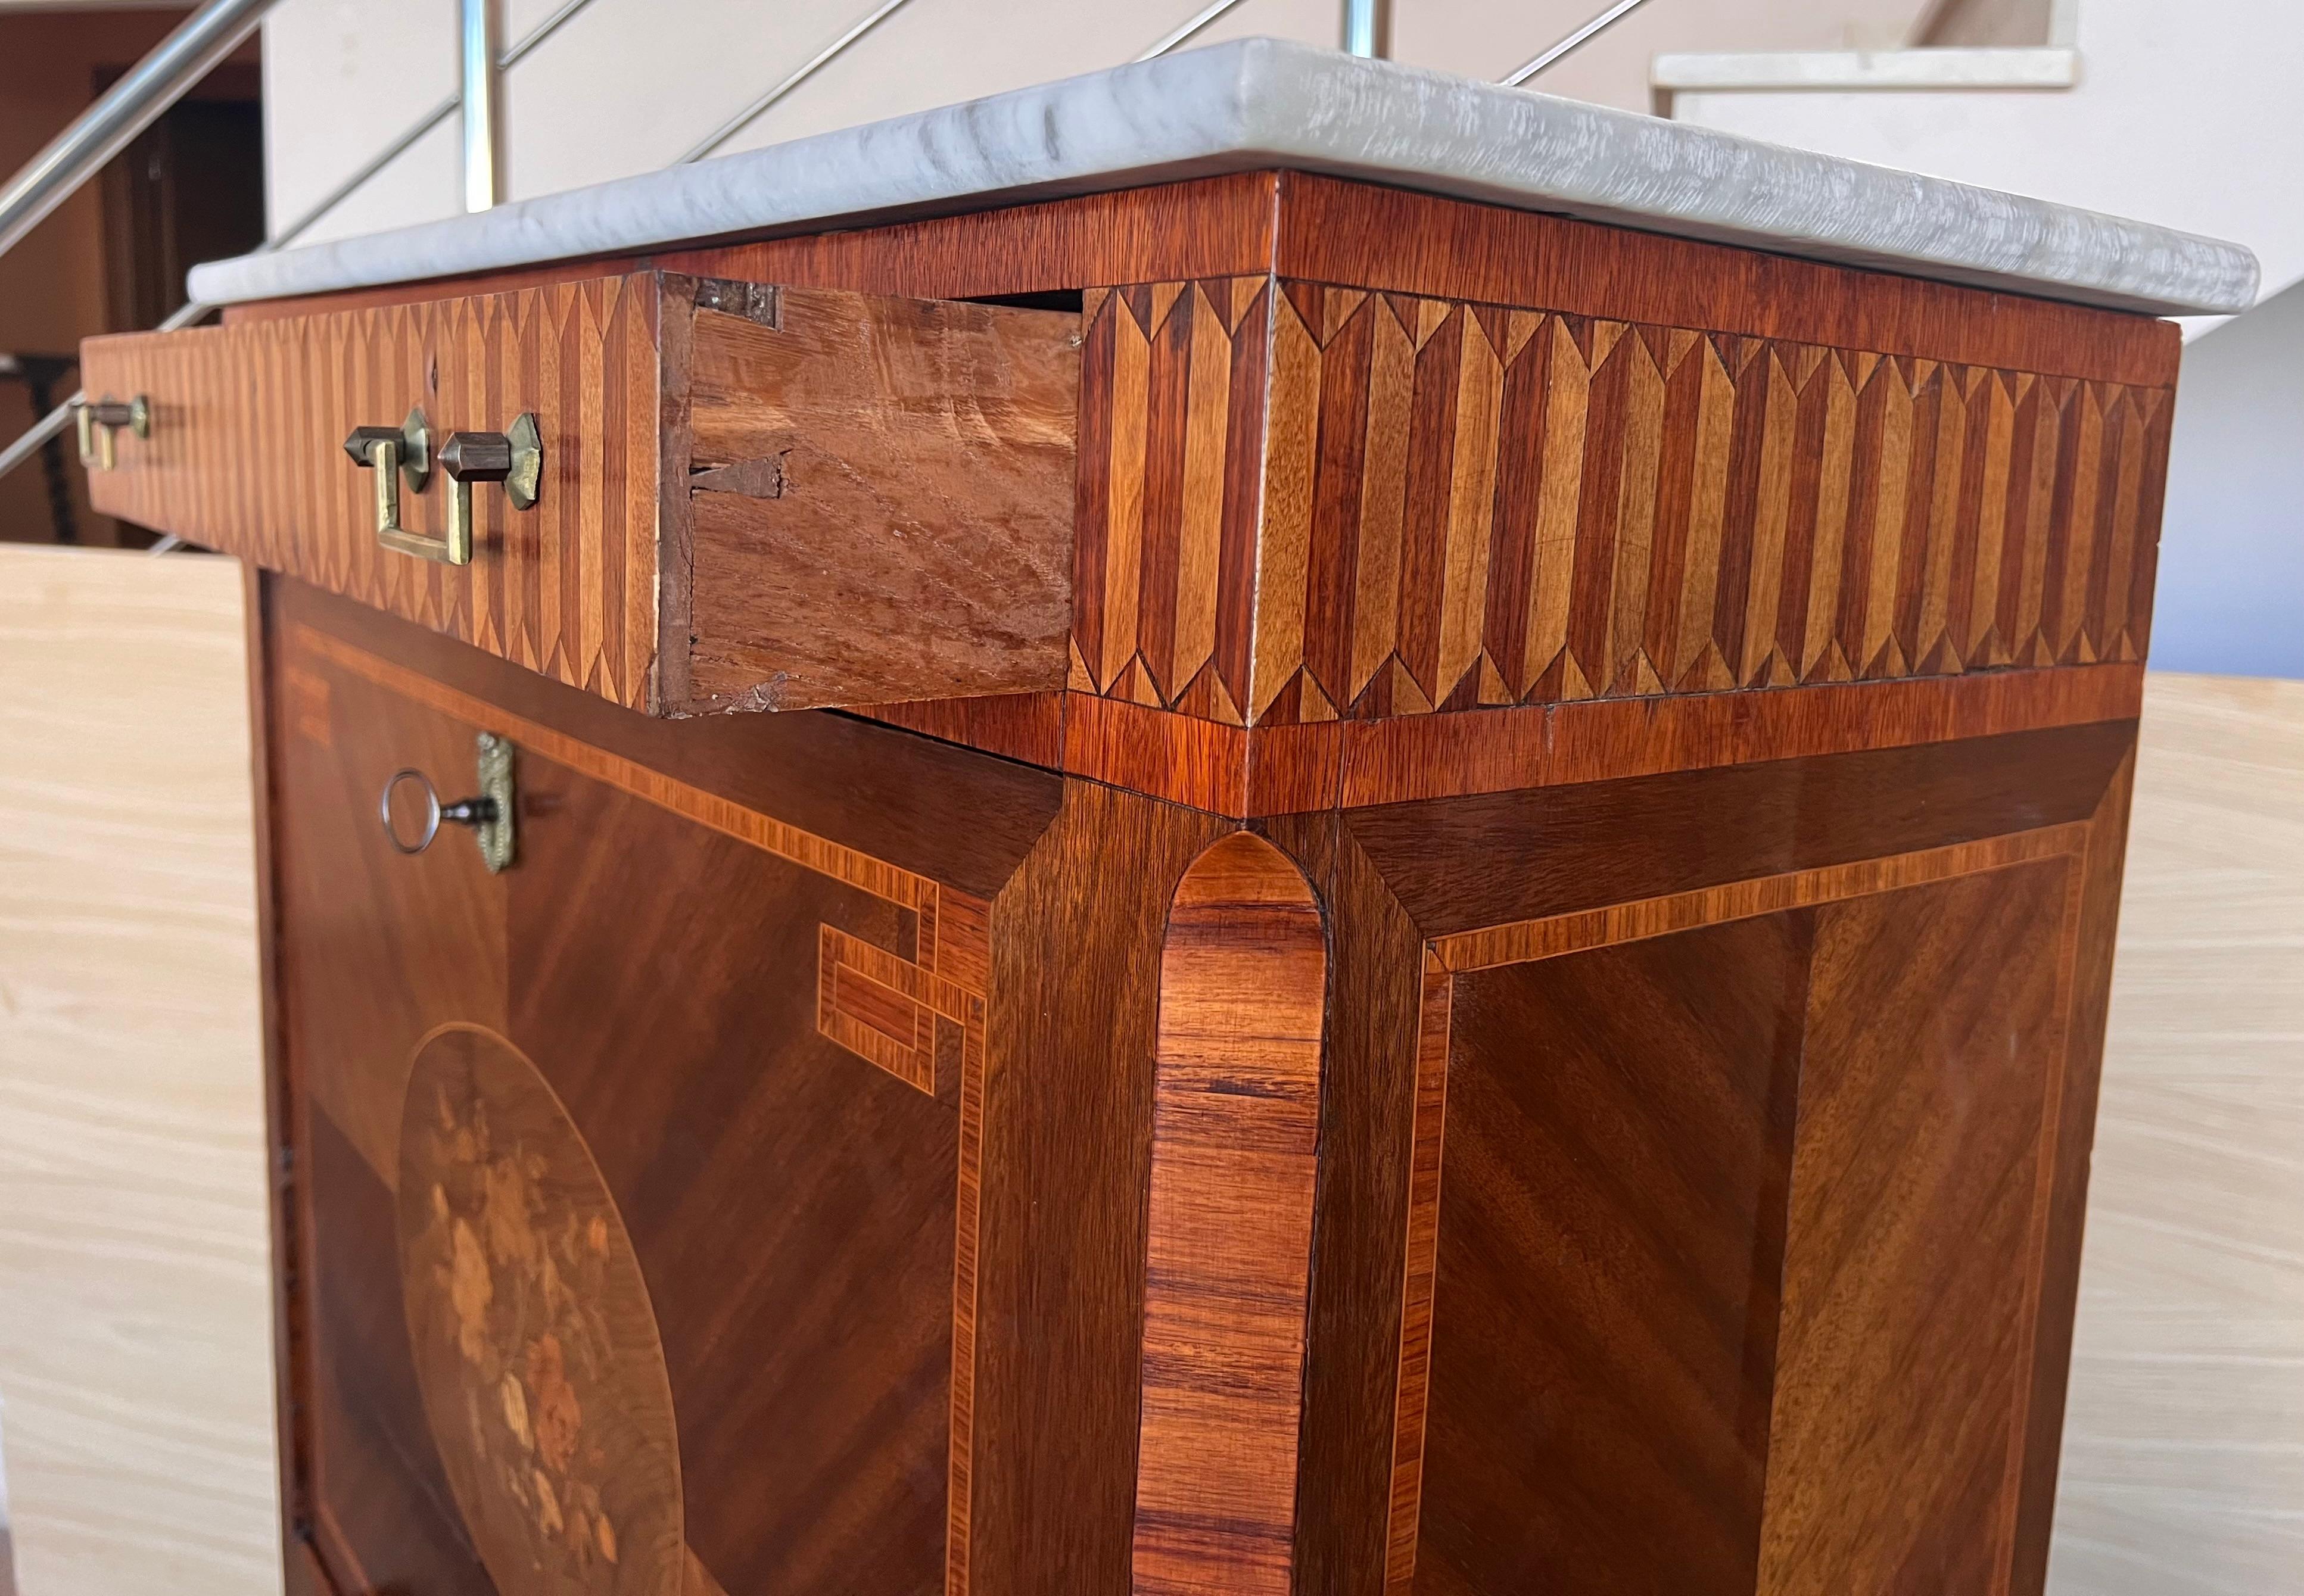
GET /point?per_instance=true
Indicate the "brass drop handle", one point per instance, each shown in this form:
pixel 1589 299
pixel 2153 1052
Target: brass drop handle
pixel 513 456
pixel 97 419
pixel 399 454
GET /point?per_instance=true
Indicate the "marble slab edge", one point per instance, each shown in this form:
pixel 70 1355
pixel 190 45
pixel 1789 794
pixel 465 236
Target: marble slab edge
pixel 1265 103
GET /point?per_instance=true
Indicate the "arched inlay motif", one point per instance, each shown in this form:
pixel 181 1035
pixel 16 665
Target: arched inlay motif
pixel 535 1344
pixel 1235 1131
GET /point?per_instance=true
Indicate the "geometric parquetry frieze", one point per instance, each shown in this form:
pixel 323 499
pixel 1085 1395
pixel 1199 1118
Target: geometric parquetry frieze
pixel 1447 505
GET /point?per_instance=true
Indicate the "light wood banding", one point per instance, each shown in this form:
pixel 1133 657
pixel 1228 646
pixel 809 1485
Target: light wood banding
pixel 1236 1091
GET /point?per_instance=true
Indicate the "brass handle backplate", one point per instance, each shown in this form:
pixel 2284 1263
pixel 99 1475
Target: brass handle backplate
pixel 398 454
pixel 98 418
pixel 513 456
pixel 488 812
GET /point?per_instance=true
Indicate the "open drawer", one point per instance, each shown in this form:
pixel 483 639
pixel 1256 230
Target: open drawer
pixel 683 494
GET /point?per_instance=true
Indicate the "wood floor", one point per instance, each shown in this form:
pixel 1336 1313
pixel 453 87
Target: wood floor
pixel 134 1339
pixel 2183 1465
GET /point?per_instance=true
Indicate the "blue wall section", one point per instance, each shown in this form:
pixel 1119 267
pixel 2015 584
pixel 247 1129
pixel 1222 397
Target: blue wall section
pixel 2231 543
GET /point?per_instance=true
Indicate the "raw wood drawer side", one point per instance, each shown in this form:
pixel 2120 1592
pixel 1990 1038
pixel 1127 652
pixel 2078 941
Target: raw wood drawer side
pixel 878 499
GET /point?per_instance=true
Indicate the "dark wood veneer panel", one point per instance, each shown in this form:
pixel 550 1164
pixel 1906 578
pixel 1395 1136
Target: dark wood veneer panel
pixel 2067 1196
pixel 792 1206
pixel 1619 1140
pixel 380 1496
pixel 378 948
pixel 1936 1037
pixel 658 951
pixel 303 1572
pixel 1461 863
pixel 1366 1104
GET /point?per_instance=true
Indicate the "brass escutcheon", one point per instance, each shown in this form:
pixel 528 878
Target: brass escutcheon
pixel 488 812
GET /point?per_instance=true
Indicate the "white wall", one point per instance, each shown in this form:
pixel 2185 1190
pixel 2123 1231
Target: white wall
pixel 2185 114
pixel 1998 23
pixel 2231 594
pixel 629 85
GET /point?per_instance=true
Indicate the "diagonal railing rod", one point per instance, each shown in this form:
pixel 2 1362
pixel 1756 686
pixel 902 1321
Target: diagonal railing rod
pixel 49 425
pixel 1208 17
pixel 126 109
pixel 415 131
pixel 1553 52
pixel 815 63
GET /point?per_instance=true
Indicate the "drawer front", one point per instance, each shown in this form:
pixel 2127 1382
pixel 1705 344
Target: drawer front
pixel 792 499
pixel 245 454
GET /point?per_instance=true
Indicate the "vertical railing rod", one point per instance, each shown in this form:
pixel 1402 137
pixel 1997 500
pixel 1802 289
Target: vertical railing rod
pixel 415 131
pixel 1368 28
pixel 478 41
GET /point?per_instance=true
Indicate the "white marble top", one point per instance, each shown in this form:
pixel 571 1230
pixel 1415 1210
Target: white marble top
pixel 1263 103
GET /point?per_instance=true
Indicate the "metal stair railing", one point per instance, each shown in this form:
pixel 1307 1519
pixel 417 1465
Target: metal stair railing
pixel 125 110
pixel 182 58
pixel 1569 43
pixel 158 83
pixel 103 131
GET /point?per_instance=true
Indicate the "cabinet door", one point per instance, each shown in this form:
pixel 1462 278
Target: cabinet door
pixel 634 1191
pixel 1736 1204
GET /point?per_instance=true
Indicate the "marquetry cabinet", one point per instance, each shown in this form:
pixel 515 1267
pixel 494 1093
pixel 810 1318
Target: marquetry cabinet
pixel 1259 885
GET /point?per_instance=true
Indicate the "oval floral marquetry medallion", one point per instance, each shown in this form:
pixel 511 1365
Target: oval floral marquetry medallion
pixel 542 1370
